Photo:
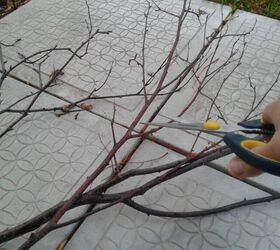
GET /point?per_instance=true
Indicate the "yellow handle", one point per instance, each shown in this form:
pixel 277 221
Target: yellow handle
pixel 249 144
pixel 241 146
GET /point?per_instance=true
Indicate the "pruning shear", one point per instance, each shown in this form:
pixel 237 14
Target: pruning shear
pixel 238 143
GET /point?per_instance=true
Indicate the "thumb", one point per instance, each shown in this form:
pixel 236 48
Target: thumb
pixel 241 170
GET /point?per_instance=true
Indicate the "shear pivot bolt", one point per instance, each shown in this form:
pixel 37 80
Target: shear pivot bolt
pixel 211 125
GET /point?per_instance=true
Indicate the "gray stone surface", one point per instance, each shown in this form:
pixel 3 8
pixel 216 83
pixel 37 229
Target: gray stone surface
pixel 46 157
pixel 42 25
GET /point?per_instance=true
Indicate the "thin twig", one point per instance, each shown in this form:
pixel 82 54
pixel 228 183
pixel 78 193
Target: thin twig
pixel 12 44
pixel 102 85
pixel 159 213
pixel 264 96
pixel 51 80
pixel 146 15
pixel 2 62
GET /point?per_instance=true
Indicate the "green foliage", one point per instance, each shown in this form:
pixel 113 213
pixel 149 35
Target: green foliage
pixel 270 8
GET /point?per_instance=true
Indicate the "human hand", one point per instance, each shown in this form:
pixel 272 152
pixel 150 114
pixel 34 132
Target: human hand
pixel 239 168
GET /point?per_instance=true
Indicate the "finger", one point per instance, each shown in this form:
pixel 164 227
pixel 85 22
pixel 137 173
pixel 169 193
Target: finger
pixel 271 114
pixel 241 170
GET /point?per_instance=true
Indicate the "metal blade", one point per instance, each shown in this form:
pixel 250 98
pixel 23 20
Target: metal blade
pixel 182 126
pixel 224 129
pixel 196 127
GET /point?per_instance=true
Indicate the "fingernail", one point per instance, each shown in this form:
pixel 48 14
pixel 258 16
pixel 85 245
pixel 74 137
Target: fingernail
pixel 236 168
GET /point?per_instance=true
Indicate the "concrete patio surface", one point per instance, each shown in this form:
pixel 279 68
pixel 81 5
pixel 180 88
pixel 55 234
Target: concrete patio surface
pixel 45 158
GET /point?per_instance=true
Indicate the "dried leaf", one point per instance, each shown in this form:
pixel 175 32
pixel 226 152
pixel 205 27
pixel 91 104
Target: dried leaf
pixel 59 113
pixel 86 106
pixel 66 108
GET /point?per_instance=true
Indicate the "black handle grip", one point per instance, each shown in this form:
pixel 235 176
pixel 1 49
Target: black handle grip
pixel 257 124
